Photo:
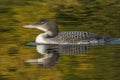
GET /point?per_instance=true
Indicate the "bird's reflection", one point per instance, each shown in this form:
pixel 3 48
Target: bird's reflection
pixel 50 57
pixel 51 52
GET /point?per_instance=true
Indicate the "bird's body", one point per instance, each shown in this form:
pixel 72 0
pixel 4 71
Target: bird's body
pixel 52 35
pixel 72 37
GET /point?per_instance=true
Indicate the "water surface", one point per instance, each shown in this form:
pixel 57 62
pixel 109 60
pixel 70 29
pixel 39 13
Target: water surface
pixel 98 63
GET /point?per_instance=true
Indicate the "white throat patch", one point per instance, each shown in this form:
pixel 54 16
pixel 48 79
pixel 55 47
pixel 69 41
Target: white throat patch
pixel 41 28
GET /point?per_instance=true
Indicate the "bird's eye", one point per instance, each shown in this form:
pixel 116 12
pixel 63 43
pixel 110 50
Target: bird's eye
pixel 41 21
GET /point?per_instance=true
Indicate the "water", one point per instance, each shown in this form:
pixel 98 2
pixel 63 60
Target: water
pixel 92 63
pixel 52 52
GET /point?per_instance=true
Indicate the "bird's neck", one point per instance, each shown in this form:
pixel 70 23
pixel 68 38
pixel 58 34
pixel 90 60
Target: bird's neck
pixel 50 34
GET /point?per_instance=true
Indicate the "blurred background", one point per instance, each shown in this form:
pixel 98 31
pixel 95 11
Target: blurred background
pixel 96 16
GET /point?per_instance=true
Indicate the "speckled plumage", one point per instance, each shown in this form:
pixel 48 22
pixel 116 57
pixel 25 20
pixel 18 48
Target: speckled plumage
pixel 76 37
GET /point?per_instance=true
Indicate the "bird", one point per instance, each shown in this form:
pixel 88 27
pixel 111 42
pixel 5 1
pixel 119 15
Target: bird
pixel 52 35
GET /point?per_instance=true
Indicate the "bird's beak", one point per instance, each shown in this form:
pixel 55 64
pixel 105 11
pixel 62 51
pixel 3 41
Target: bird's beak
pixel 36 26
pixel 30 26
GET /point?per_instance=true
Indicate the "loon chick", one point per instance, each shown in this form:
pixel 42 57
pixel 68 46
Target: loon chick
pixel 52 35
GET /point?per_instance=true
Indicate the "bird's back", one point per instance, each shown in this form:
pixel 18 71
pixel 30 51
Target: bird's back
pixel 76 37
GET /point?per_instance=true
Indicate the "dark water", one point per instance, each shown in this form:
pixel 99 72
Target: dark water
pixel 89 62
